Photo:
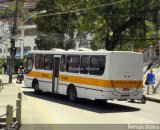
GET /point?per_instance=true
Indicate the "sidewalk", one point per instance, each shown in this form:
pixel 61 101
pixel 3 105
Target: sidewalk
pixel 151 96
pixel 31 114
pixel 8 96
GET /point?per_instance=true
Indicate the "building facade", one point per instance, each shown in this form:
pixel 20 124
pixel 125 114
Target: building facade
pixel 23 42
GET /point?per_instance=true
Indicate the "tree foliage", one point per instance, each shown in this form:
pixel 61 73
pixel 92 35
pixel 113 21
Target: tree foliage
pixel 113 22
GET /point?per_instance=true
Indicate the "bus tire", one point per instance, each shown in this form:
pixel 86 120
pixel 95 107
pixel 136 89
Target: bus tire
pixel 143 100
pixel 72 94
pixel 36 87
pixel 132 100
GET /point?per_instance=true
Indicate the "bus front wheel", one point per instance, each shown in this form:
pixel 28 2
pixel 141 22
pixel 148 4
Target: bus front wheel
pixel 72 94
pixel 36 88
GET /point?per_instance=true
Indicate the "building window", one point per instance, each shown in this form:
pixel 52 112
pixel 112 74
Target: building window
pixel 26 49
pixel 0 50
pixel 63 63
pixel 48 62
pixel 84 68
pixel 73 63
pixel 97 65
pixel 39 61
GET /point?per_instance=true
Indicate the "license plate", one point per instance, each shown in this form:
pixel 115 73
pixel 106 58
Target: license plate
pixel 125 89
pixel 125 95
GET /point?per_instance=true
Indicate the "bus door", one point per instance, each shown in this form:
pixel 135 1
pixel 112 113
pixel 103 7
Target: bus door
pixel 55 73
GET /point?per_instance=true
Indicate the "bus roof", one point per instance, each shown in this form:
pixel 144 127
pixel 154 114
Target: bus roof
pixel 100 52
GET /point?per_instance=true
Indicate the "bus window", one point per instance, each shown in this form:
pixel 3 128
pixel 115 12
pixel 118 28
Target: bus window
pixel 84 65
pixel 39 61
pixel 97 65
pixel 48 62
pixel 73 63
pixel 28 65
pixel 63 63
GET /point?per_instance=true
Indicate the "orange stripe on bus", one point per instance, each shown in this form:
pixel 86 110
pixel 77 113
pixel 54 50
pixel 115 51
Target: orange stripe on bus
pixel 40 75
pixel 91 81
pixel 102 83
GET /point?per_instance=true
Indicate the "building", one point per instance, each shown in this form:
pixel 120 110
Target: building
pixel 24 42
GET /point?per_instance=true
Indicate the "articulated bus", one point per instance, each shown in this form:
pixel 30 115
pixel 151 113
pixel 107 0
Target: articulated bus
pixel 97 75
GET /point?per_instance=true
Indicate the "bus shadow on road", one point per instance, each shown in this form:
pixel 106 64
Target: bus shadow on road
pixel 85 104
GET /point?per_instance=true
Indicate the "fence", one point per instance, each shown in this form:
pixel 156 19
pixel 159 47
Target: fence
pixel 10 122
pixel 151 54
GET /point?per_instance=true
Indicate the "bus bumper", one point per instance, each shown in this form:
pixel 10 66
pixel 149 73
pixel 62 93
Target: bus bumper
pixel 123 96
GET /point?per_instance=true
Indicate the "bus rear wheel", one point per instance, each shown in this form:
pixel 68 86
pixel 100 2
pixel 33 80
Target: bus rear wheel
pixel 72 94
pixel 143 100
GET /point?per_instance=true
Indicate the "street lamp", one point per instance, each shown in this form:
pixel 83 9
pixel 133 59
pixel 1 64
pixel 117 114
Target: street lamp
pixel 41 12
pixel 22 30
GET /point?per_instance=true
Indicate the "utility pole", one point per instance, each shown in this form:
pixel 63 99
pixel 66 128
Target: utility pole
pixel 13 33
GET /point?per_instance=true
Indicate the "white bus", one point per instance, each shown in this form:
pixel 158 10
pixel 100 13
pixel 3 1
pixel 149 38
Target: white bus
pixel 97 75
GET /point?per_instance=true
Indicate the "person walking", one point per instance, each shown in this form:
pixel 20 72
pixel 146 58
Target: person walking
pixel 148 67
pixel 5 67
pixel 151 80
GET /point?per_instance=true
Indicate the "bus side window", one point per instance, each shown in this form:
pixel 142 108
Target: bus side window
pixel 84 65
pixel 73 64
pixel 63 63
pixel 97 65
pixel 48 62
pixel 39 61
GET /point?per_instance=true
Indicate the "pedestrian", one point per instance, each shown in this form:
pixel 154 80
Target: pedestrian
pixel 148 67
pixel 151 80
pixel 20 74
pixel 4 67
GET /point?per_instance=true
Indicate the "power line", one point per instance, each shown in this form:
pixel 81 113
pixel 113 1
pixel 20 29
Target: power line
pixel 84 9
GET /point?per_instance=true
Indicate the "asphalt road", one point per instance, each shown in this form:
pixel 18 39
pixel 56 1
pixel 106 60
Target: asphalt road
pixel 49 108
pixel 55 112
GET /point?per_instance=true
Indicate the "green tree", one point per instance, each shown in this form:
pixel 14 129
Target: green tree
pixel 55 26
pixel 118 21
pixel 113 22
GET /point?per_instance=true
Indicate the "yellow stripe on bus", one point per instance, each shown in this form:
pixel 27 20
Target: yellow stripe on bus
pixel 91 81
pixel 102 83
pixel 40 75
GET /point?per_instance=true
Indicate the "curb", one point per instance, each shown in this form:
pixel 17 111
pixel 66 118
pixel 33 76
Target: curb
pixel 153 99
